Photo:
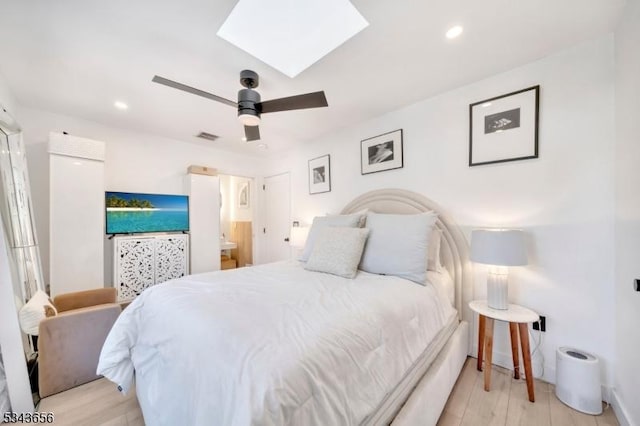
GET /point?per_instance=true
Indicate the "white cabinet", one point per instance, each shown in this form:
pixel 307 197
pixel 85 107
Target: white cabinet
pixel 142 261
pixel 76 213
pixel 204 222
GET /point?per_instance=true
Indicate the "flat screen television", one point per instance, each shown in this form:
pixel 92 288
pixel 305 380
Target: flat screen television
pixel 132 213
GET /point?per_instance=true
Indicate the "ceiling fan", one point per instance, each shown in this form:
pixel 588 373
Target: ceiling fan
pixel 249 105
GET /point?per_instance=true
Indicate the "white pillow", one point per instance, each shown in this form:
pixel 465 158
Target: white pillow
pixel 433 256
pixel 338 251
pixel 443 283
pixel 320 222
pixel 362 213
pixel 363 217
pixel 398 245
pixel 33 312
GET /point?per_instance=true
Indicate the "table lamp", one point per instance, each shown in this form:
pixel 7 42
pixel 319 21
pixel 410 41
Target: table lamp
pixel 298 235
pixel 498 248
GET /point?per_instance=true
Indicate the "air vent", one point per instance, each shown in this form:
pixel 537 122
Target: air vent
pixel 207 136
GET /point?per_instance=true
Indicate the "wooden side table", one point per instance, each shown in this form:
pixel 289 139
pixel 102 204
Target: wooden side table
pixel 518 318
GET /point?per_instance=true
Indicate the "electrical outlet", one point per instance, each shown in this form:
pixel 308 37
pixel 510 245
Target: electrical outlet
pixel 541 325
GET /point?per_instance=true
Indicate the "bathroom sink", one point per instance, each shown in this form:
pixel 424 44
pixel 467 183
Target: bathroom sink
pixel 227 245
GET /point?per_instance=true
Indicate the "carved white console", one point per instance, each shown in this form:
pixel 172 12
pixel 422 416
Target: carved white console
pixel 142 261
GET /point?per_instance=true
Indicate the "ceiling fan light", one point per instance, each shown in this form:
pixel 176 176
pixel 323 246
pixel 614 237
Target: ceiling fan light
pixel 249 119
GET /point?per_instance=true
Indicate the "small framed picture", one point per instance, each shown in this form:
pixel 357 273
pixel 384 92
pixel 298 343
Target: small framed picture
pixel 243 195
pixel 504 128
pixel 381 153
pixel 320 175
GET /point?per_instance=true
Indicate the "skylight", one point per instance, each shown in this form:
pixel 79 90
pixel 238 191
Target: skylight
pixel 291 35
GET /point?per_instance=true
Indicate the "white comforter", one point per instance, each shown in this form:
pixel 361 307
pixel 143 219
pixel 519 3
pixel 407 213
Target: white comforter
pixel 270 345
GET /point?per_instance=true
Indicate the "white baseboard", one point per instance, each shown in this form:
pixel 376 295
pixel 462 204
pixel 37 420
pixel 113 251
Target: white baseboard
pixel 504 360
pixel 618 407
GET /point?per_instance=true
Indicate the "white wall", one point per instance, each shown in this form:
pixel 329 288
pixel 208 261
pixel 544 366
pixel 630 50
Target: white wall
pixel 135 162
pixel 7 101
pixel 627 211
pixel 225 209
pixel 564 199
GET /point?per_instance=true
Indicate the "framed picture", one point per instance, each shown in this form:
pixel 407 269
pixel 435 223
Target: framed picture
pixel 504 128
pixel 381 153
pixel 320 175
pixel 243 195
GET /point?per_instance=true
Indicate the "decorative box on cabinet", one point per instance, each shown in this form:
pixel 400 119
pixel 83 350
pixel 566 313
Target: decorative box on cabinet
pixel 143 261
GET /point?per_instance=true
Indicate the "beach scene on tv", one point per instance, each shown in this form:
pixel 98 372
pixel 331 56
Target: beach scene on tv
pixel 129 213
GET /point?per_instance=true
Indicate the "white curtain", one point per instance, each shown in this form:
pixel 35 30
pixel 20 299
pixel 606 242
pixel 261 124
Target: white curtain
pixel 4 392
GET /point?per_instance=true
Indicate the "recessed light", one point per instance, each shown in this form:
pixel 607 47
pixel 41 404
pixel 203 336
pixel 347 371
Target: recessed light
pixel 243 139
pixel 486 104
pixel 454 32
pixel 262 146
pixel 120 105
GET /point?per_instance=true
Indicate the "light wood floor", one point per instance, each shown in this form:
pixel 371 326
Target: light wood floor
pixel 95 404
pixel 507 403
pixel 100 404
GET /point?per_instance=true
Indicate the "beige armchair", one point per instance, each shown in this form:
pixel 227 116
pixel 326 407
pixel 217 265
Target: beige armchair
pixel 69 343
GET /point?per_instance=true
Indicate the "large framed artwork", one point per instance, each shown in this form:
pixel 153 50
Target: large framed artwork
pixel 504 128
pixel 380 153
pixel 320 175
pixel 244 198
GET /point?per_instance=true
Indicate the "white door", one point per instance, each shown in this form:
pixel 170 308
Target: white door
pixel 277 198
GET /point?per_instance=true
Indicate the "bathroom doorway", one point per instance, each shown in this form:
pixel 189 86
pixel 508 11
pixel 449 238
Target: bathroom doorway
pixel 237 204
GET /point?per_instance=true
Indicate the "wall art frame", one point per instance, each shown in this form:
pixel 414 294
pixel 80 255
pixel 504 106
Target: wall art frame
pixel 320 174
pixel 504 128
pixel 381 153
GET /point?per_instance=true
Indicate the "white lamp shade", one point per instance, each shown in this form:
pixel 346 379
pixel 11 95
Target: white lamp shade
pixel 501 247
pixel 298 236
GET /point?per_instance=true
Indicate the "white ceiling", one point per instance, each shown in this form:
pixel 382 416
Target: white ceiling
pixel 77 57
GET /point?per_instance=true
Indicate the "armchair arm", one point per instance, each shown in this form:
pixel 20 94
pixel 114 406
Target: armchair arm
pixel 70 344
pixel 82 299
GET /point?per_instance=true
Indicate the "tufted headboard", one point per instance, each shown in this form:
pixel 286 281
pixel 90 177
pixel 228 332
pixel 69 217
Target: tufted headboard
pixel 454 250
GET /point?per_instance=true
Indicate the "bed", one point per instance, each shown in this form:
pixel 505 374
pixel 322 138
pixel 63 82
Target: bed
pixel 277 344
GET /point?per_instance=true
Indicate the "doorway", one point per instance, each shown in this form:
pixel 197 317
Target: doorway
pixel 236 221
pixel 277 194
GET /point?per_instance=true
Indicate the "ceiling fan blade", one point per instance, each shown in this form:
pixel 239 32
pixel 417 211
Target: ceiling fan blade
pixel 192 90
pixel 309 100
pixel 252 133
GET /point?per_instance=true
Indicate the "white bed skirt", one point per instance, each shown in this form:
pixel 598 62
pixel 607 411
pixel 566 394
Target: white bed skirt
pixel 428 399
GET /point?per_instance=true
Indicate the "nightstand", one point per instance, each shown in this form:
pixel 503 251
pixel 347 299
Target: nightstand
pixel 518 318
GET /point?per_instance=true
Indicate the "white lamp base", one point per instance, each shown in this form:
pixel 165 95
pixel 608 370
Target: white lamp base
pixel 498 289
